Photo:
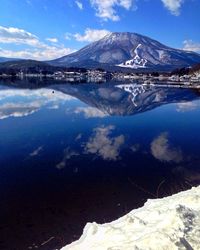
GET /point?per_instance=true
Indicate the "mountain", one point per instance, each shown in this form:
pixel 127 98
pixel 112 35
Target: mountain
pixel 128 50
pixel 31 66
pixel 5 59
pixel 15 64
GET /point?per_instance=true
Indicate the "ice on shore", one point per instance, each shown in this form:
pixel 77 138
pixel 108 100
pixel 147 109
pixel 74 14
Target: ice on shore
pixel 168 223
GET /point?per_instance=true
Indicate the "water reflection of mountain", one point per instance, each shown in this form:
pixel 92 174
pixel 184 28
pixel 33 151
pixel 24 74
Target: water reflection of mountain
pixel 126 99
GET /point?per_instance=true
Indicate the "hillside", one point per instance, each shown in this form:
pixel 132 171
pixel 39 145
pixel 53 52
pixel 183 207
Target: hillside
pixel 27 66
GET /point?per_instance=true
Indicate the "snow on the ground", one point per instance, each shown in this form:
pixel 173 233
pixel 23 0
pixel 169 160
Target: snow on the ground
pixel 136 62
pixel 161 224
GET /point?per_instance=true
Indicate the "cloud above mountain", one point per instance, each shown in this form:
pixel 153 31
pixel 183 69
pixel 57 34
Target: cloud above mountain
pixel 105 9
pixel 79 5
pixel 173 6
pixel 52 40
pixel 191 45
pixel 18 36
pixel 91 35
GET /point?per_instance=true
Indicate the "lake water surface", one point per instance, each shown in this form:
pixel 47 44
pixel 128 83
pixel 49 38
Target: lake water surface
pixel 72 154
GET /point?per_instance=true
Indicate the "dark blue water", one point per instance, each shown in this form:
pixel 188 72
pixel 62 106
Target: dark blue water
pixel 70 154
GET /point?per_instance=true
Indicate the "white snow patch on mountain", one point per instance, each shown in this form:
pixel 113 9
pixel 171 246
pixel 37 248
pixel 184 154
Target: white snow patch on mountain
pixel 136 62
pixel 169 223
pixel 161 54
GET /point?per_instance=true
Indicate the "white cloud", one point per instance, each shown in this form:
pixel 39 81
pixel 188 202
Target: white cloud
pixel 40 50
pixel 52 40
pixel 102 144
pixel 163 151
pixel 18 36
pixel 68 36
pixel 91 35
pixel 191 46
pixel 45 53
pixel 173 6
pixel 79 4
pixel 90 112
pixel 106 8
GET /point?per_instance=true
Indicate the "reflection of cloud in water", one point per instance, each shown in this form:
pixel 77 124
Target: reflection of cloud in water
pixel 78 137
pixel 135 147
pixel 103 144
pixel 23 102
pixel 56 106
pixel 186 106
pixel 163 151
pixel 36 93
pixel 68 154
pixel 109 94
pixel 18 109
pixel 36 151
pixel 90 112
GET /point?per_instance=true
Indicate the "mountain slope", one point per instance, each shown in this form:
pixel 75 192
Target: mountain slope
pixel 128 50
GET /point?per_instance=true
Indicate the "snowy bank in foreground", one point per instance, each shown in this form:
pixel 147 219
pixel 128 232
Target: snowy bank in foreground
pixel 168 223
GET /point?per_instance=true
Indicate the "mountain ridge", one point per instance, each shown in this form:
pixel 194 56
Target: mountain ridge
pixel 8 59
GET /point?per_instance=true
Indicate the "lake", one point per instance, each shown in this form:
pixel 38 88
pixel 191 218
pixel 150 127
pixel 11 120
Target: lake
pixel 72 154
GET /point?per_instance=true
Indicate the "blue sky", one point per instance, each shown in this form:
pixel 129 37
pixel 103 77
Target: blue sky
pixel 47 29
